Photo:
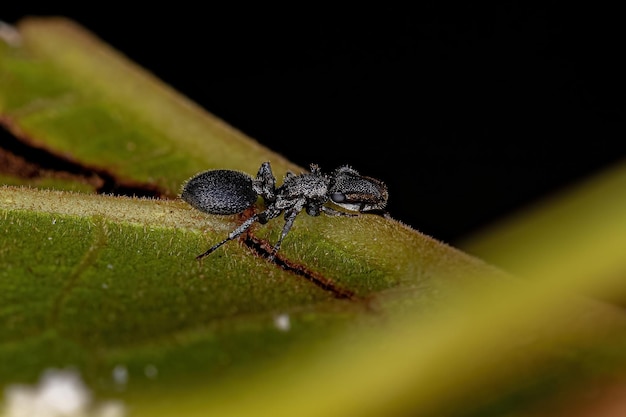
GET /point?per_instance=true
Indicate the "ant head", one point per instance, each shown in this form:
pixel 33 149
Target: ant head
pixel 355 192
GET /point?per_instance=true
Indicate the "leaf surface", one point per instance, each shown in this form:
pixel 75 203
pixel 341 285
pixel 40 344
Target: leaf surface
pixel 357 316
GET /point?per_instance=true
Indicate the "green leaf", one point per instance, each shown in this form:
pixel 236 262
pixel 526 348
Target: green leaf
pixel 68 93
pixel 357 316
pixel 121 285
pixel 114 275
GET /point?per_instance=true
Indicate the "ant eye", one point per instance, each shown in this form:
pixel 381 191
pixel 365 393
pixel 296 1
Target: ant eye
pixel 338 197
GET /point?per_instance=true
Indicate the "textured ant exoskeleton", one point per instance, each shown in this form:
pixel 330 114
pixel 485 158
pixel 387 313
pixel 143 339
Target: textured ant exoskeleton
pixel 230 192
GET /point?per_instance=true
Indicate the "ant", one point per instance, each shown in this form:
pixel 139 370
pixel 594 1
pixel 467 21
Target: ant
pixel 223 191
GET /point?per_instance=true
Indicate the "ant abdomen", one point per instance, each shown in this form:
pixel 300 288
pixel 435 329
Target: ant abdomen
pixel 220 191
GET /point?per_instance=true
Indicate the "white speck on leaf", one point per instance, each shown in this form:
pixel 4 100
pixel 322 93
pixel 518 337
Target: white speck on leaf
pixel 110 409
pixel 120 375
pixel 59 393
pixel 282 322
pixel 151 371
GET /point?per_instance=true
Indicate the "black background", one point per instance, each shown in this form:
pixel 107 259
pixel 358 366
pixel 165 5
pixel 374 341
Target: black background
pixel 466 112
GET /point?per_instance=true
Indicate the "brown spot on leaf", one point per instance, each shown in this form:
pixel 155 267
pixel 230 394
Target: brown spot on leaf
pixel 263 248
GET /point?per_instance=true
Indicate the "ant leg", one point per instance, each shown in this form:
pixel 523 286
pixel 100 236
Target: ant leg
pixel 289 219
pixel 265 184
pixel 332 212
pixel 233 235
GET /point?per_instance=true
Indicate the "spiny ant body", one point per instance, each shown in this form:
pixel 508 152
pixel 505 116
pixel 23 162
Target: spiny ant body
pixel 230 192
